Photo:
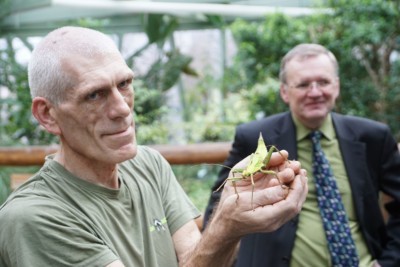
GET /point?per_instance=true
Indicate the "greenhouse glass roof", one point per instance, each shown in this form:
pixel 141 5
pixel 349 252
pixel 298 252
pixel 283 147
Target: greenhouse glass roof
pixel 36 17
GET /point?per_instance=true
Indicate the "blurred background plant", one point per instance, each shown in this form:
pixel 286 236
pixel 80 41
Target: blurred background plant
pixel 363 34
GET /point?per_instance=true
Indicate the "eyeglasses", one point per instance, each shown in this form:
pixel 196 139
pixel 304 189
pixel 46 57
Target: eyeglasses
pixel 320 84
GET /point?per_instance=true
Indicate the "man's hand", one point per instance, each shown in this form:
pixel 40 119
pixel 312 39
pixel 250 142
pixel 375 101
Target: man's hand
pixel 274 201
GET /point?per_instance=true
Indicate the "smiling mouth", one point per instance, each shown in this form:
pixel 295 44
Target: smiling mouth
pixel 314 103
pixel 120 129
pixel 119 132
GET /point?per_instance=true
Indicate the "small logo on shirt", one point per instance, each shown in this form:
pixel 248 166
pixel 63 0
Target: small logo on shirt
pixel 158 225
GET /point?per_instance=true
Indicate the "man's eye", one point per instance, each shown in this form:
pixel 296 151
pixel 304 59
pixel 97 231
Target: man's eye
pixel 94 95
pixel 323 83
pixel 303 86
pixel 125 83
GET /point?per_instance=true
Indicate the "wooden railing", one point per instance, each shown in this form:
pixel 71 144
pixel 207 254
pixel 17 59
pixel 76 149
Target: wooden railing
pixel 174 154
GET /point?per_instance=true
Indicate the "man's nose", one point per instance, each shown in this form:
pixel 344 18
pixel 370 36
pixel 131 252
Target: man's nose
pixel 119 104
pixel 314 88
pixel 314 85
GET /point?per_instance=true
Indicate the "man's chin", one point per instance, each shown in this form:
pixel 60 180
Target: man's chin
pixel 128 152
pixel 317 114
pixel 121 154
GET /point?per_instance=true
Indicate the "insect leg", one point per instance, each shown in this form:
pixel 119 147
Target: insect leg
pixel 252 190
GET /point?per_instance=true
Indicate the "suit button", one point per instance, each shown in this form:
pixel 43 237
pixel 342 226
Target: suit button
pixel 285 259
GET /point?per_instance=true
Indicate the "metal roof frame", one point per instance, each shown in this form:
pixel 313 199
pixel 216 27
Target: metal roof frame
pixel 37 17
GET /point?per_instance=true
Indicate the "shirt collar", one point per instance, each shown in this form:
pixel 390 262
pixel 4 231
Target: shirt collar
pixel 326 129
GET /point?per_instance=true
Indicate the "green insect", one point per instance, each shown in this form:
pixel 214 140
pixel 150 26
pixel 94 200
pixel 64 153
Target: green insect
pixel 257 163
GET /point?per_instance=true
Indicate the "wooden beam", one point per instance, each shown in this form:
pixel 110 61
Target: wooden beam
pixel 25 156
pixel 174 154
pixel 194 153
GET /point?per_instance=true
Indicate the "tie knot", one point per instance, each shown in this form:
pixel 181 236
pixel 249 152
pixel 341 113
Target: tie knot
pixel 315 136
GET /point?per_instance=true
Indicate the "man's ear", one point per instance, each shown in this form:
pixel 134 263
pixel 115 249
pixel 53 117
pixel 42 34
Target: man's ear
pixel 336 88
pixel 283 92
pixel 44 112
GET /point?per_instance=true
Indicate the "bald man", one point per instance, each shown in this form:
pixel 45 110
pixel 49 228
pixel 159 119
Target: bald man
pixel 102 200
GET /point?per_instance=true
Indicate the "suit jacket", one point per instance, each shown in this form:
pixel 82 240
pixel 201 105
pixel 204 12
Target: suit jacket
pixel 372 161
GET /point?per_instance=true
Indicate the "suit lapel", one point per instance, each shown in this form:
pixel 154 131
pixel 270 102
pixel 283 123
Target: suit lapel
pixel 354 158
pixel 284 135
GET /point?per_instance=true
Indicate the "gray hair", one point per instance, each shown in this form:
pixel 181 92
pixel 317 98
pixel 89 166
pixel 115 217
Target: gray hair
pixel 46 74
pixel 306 51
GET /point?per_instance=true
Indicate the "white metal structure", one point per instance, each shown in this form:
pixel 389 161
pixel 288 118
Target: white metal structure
pixel 24 17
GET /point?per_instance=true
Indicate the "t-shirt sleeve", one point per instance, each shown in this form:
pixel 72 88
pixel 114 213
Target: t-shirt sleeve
pixel 178 207
pixel 50 235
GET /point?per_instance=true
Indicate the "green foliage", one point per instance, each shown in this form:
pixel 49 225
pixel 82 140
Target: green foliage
pixel 264 98
pixel 197 180
pixel 165 72
pixel 371 30
pixel 149 110
pixel 213 116
pixel 17 125
pixel 148 103
pixel 262 45
pixel 159 27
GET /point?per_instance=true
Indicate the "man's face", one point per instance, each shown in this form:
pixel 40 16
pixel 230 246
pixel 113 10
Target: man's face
pixel 311 89
pixel 95 119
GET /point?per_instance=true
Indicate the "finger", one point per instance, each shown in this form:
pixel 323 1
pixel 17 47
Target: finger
pixel 261 198
pixel 288 208
pixel 286 176
pixel 294 165
pixel 263 180
pixel 299 189
pixel 303 172
pixel 271 195
pixel 240 165
pixel 273 209
pixel 278 158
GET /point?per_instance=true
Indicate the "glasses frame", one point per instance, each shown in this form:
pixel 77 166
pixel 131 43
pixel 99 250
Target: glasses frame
pixel 321 84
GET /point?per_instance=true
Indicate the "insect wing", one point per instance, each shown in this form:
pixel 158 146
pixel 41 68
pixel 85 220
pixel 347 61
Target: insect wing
pixel 257 158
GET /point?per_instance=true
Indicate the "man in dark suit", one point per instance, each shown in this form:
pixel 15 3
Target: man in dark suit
pixel 363 156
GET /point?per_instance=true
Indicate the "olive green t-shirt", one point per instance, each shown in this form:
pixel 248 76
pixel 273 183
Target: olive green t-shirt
pixel 311 247
pixel 58 219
